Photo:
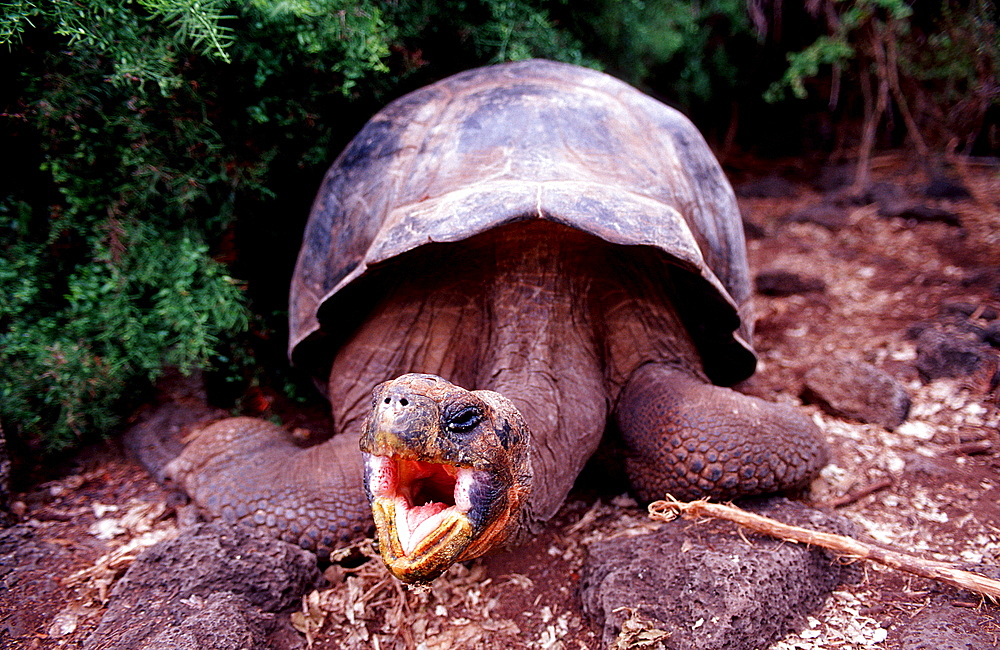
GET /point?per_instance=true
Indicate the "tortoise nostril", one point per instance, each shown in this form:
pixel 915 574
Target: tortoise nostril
pixel 403 402
pixel 387 400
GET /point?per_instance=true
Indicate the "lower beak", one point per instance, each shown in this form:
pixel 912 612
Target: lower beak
pixel 419 556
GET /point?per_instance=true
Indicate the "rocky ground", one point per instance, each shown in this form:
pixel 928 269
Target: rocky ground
pixel 877 313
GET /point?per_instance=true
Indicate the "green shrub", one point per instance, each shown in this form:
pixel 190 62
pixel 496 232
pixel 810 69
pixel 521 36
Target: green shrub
pixel 936 69
pixel 110 276
pixel 683 47
pixel 143 303
pixel 157 141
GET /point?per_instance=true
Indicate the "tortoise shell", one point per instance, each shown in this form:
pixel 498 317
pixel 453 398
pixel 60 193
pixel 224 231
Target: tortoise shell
pixel 522 141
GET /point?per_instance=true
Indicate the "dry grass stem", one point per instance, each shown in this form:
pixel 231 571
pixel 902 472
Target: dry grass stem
pixel 671 508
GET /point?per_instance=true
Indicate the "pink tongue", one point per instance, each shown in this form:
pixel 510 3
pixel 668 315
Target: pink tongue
pixel 419 514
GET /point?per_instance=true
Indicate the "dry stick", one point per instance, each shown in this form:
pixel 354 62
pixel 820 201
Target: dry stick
pixel 857 496
pixel 873 115
pixel 890 65
pixel 669 509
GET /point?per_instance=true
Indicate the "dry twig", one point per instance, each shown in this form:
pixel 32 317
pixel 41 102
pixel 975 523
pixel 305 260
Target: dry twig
pixel 670 508
pixel 848 499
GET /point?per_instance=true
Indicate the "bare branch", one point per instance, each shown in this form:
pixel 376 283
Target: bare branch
pixel 873 115
pixel 671 508
pixel 890 69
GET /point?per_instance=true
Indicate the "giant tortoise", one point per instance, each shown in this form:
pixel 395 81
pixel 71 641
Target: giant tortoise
pixel 540 255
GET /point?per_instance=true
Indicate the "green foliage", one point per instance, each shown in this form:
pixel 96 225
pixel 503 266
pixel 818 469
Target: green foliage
pixel 517 30
pixel 482 31
pixel 139 37
pixel 138 306
pixel 688 42
pixel 806 64
pixel 147 127
pixel 940 66
pixel 856 20
pixel 110 278
pixel 345 37
pixel 952 67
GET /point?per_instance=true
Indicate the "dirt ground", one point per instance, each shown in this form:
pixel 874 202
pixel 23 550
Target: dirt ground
pixel 930 486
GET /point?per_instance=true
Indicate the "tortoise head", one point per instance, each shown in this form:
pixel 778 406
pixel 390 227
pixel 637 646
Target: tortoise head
pixel 447 473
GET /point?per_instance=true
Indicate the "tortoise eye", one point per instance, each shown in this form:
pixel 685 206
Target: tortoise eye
pixel 464 421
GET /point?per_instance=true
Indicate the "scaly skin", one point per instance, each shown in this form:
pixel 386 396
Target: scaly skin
pixel 247 470
pixel 693 440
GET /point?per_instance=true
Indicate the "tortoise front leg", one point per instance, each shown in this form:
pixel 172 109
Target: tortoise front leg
pixel 692 439
pixel 247 470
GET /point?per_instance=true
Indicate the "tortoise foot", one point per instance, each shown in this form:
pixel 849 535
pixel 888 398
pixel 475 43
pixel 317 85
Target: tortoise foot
pixel 693 439
pixel 247 470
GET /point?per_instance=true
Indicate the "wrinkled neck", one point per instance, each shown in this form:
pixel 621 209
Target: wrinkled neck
pixel 540 353
pixel 555 320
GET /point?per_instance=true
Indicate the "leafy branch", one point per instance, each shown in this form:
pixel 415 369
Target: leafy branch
pixel 146 127
pixel 198 23
pixel 905 66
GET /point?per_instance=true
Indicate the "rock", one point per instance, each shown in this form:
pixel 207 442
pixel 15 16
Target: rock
pixel 938 632
pixel 834 176
pixel 828 215
pixel 858 391
pixel 953 326
pixel 753 231
pixel 992 334
pixel 921 213
pixel 940 625
pixel 954 344
pixel 968 310
pixel 948 352
pixel 914 331
pixel 705 588
pixel 786 283
pixel 222 621
pixel 888 196
pixel 157 438
pixel 27 584
pixel 214 586
pixel 946 188
pixel 772 186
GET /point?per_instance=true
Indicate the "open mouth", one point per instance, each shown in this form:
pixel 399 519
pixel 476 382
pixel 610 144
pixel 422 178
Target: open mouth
pixel 421 513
